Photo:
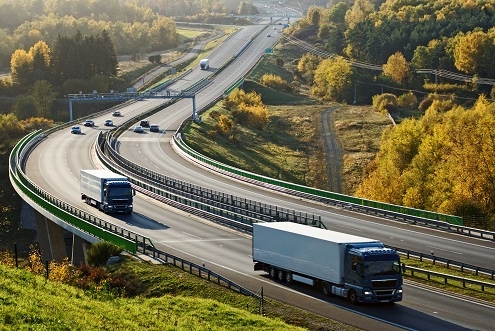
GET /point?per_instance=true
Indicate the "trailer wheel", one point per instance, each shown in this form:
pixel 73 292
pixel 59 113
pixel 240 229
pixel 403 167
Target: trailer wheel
pixel 325 288
pixel 281 275
pixel 288 277
pixel 352 297
pixel 273 273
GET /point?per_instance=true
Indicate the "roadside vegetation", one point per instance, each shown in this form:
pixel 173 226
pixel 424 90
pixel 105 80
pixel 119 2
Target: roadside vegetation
pixel 133 295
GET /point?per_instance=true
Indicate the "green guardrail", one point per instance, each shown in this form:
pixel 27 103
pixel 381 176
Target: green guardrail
pixel 234 86
pixel 317 192
pixel 64 211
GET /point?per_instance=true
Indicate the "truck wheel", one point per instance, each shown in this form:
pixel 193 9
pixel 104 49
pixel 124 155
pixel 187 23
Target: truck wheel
pixel 288 277
pixel 325 288
pixel 352 297
pixel 273 273
pixel 281 275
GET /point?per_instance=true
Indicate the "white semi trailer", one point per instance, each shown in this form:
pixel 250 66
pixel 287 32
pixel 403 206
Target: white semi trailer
pixel 107 191
pixel 204 64
pixel 357 268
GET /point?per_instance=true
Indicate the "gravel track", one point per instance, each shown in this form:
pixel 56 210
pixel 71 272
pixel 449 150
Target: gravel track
pixel 333 151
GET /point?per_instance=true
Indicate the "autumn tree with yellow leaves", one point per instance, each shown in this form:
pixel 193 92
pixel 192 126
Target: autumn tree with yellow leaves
pixel 444 162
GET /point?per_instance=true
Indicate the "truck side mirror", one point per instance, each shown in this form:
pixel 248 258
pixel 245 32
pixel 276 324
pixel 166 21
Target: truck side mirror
pixel 403 267
pixel 133 191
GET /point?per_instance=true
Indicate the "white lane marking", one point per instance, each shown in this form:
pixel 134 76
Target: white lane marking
pixel 416 232
pixel 445 250
pixel 189 234
pixel 423 288
pixel 350 228
pixel 192 241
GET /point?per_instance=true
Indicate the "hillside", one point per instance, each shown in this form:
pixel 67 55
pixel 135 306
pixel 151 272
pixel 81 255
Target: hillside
pixel 31 302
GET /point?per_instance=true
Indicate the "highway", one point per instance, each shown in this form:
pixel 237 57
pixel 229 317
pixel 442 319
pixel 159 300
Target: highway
pixel 55 165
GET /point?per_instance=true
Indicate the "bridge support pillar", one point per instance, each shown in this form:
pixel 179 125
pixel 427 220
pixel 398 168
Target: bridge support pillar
pixel 51 239
pixel 78 250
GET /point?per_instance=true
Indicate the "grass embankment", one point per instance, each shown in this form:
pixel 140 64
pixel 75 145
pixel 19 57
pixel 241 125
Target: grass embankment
pixel 169 299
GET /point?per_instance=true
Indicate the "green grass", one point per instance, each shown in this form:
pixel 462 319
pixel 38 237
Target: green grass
pixel 359 130
pixel 285 149
pixel 169 299
pixel 189 34
pixel 270 96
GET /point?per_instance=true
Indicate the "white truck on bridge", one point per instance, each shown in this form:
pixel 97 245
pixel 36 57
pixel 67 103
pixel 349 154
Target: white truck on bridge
pixel 107 191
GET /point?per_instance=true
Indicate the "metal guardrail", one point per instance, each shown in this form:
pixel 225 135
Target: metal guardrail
pixel 206 200
pixel 446 278
pixel 203 272
pixel 416 220
pixel 446 262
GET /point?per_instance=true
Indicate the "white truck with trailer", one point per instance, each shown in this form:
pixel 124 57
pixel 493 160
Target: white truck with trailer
pixel 204 64
pixel 107 191
pixel 357 268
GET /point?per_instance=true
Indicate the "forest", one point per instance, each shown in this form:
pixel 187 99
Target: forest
pixel 135 26
pixel 444 158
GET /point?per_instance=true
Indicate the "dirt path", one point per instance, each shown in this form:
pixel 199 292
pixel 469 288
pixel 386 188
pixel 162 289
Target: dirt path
pixel 333 151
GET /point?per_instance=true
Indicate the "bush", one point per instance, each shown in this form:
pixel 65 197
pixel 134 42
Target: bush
pixel 407 100
pixel 384 103
pixel 99 253
pixel 239 97
pixel 274 81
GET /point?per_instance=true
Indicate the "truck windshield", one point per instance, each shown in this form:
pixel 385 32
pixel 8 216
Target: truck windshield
pixel 376 268
pixel 116 192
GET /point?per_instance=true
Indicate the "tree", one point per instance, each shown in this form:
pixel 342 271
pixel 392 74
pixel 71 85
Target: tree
pixel 40 53
pixel 43 95
pixel 21 65
pixel 337 13
pixel 314 15
pixel 332 79
pixel 307 65
pixel 429 56
pixel 108 55
pixel 397 68
pixel 474 54
pixel 24 108
pixel 359 12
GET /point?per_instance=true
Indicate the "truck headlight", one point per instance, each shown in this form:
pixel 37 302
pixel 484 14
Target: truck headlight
pixel 399 291
pixel 368 293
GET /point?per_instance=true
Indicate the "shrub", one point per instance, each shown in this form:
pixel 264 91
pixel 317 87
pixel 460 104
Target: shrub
pixel 224 125
pixel 99 253
pixel 446 101
pixel 385 102
pixel 61 272
pixel 407 100
pixel 35 262
pixel 239 97
pixel 425 104
pixel 274 81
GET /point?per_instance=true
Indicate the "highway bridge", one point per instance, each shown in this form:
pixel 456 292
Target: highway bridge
pixel 45 169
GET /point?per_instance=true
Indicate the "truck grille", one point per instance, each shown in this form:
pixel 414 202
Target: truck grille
pixel 384 294
pixel 384 283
